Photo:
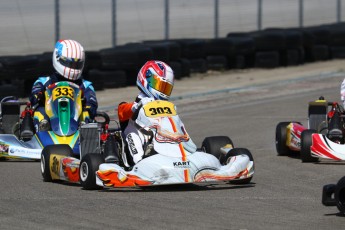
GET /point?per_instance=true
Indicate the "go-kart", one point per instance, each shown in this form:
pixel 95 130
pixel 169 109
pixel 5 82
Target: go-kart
pixel 21 140
pixel 324 137
pixel 169 158
pixel 334 195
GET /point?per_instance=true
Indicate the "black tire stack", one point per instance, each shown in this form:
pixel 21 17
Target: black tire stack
pixel 244 50
pixel 269 44
pixel 316 43
pixel 118 66
pixel 337 41
pixel 17 74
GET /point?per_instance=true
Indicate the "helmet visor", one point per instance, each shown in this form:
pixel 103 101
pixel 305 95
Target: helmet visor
pixel 158 84
pixel 73 63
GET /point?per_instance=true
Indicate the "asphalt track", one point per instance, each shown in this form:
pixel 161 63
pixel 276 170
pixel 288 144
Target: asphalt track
pixel 284 193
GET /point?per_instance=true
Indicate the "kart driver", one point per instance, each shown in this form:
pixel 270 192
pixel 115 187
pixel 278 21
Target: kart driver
pixel 336 123
pixel 68 62
pixel 342 92
pixel 155 81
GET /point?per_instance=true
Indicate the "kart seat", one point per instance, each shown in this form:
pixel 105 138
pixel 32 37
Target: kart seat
pixel 335 135
pixel 317 113
pixel 10 113
pixel 89 139
pixel 335 132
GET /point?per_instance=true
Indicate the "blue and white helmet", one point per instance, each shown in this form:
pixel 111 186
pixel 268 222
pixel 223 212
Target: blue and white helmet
pixel 69 59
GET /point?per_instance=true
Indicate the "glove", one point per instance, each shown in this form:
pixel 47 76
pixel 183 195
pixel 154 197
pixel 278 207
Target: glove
pixel 142 102
pixel 146 100
pixel 37 98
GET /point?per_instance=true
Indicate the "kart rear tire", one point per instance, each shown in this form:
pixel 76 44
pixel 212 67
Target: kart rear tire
pixel 282 148
pixel 61 149
pixel 213 144
pixel 236 152
pixel 306 142
pixel 87 170
pixel 340 195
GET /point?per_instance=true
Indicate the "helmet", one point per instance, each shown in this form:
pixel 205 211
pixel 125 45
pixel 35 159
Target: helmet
pixel 156 79
pixel 68 59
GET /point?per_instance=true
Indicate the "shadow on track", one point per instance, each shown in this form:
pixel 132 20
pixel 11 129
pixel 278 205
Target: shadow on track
pixel 180 188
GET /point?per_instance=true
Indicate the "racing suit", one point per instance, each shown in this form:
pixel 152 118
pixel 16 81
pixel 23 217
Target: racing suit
pixel 135 139
pixel 335 122
pixel 342 92
pixel 37 94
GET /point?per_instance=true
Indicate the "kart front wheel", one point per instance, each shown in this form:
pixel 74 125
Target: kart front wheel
pixel 46 165
pixel 282 148
pixel 213 144
pixel 87 170
pixel 238 152
pixel 306 142
pixel 340 195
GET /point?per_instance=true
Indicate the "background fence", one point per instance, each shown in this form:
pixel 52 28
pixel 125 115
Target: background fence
pixel 28 26
pixel 246 34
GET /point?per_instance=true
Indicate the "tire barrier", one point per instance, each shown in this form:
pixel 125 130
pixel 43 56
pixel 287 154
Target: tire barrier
pixel 9 89
pixel 218 62
pixel 45 64
pixel 118 66
pixel 160 51
pixel 218 53
pixel 170 50
pixel 177 67
pixel 267 59
pixel 269 44
pixel 198 65
pixel 315 42
pixel 17 74
pixel 92 60
pixel 292 52
pixel 108 78
pixel 191 48
pixel 337 41
pixel 185 67
pixel 244 51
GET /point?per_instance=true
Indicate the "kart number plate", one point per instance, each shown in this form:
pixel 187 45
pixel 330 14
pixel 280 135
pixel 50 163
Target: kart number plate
pixel 159 109
pixel 64 91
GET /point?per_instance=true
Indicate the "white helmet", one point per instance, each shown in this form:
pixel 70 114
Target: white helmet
pixel 156 79
pixel 68 59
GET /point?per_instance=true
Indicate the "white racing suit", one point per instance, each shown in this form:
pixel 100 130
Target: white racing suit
pixel 137 140
pixel 342 92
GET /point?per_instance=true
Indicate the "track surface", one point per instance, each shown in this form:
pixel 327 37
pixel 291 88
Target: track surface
pixel 284 193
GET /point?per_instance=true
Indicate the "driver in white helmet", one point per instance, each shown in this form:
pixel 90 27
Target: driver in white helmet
pixel 155 81
pixel 68 62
